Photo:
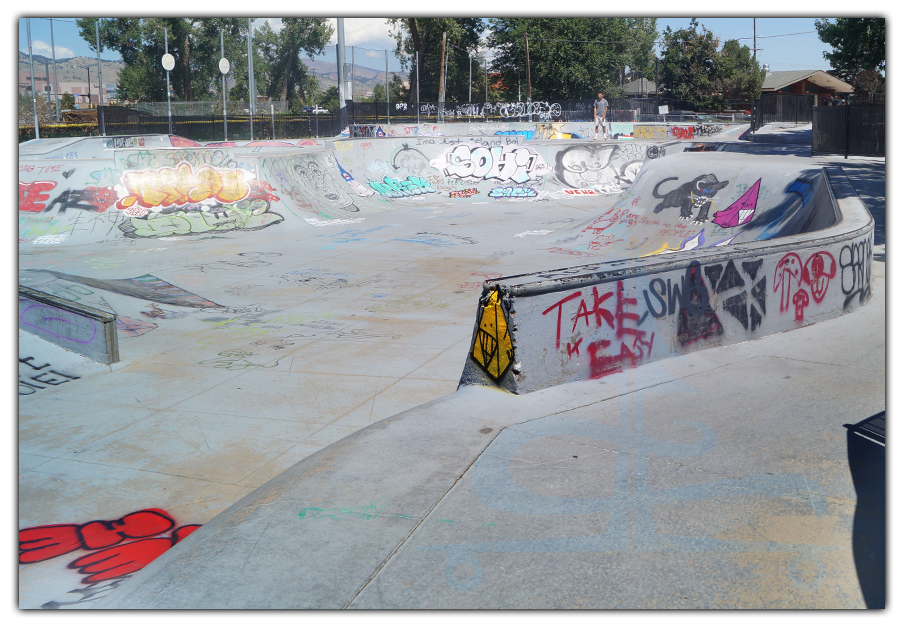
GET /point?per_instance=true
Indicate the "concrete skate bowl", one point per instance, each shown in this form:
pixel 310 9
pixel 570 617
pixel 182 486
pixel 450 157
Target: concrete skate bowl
pixel 115 190
pixel 689 249
pixel 703 250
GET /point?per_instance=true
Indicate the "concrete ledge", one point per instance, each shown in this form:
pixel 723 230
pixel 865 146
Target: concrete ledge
pixel 82 329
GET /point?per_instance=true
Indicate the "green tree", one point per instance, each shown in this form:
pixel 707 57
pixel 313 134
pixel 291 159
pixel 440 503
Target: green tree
pixel 690 71
pixel 742 76
pixel 287 78
pixel 193 42
pixel 66 101
pixel 26 109
pixel 421 39
pixel 330 100
pixel 572 58
pixel 858 45
pixel 396 86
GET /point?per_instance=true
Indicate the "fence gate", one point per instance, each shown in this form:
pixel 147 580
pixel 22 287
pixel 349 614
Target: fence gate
pixel 771 108
pixel 857 130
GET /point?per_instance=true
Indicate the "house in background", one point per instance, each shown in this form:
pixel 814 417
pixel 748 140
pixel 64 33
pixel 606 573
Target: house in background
pixel 806 82
pixel 640 88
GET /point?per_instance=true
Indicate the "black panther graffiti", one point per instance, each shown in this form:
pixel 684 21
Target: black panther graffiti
pixel 697 193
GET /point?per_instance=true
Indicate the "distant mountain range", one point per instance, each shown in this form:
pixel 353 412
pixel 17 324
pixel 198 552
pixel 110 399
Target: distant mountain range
pixel 73 69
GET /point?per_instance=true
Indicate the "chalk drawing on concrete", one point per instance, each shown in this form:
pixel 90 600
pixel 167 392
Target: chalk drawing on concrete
pixel 630 526
pixel 492 347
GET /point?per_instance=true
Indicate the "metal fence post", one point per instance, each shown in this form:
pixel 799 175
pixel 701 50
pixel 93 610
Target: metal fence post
pixel 847 131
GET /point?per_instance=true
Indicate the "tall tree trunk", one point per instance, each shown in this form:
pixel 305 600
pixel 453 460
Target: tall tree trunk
pixel 287 73
pixel 417 43
pixel 186 66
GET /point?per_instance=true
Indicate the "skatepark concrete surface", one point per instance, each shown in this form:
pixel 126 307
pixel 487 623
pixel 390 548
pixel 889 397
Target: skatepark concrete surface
pixel 292 387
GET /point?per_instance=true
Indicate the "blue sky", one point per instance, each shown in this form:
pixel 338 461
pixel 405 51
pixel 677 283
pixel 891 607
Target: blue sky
pixel 786 43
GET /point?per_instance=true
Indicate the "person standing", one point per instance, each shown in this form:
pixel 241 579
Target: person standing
pixel 600 107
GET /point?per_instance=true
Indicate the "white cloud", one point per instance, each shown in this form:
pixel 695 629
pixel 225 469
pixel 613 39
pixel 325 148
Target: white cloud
pixel 43 48
pixel 373 33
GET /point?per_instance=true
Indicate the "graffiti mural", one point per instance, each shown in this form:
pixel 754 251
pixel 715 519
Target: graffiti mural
pixel 43 379
pixel 741 210
pixel 613 325
pixel 519 165
pixel 410 186
pixel 182 185
pixel 748 309
pixel 464 193
pixel 606 169
pixel 358 189
pixel 492 346
pixel 512 192
pixel 115 549
pixel 791 275
pixel 315 181
pixel 856 271
pixel 696 194
pixel 247 215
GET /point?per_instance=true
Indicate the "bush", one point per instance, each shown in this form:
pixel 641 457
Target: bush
pixel 26 132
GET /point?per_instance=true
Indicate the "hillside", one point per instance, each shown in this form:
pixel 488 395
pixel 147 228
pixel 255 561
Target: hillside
pixel 72 68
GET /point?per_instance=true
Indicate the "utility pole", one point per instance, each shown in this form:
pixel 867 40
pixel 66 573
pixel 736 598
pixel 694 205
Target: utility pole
pixel 90 102
pixel 341 72
pixel 528 75
pixel 99 79
pixel 387 87
pixel 441 83
pixel 754 40
pixel 224 68
pixel 37 131
pixel 470 78
pixel 55 76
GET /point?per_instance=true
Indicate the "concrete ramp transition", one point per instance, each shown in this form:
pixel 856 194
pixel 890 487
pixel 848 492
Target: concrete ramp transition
pixel 691 246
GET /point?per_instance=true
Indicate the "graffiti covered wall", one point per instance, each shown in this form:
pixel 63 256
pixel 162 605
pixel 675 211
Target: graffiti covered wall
pixel 542 329
pixel 595 330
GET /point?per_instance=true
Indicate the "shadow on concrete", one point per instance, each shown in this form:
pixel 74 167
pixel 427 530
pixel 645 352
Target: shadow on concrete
pixel 801 136
pixel 868 178
pixel 865 454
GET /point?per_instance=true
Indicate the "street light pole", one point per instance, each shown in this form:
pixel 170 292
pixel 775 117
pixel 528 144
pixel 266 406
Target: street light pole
pixel 55 76
pixel 168 90
pixel 99 79
pixel 37 132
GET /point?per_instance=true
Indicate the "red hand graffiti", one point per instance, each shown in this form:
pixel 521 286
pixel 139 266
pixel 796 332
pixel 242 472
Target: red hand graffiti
pixel 125 559
pixel 49 541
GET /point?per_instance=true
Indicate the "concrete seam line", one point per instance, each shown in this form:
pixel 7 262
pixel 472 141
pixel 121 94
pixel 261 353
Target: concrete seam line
pixel 427 514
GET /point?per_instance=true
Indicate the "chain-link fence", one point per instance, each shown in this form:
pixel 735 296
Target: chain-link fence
pixel 204 121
